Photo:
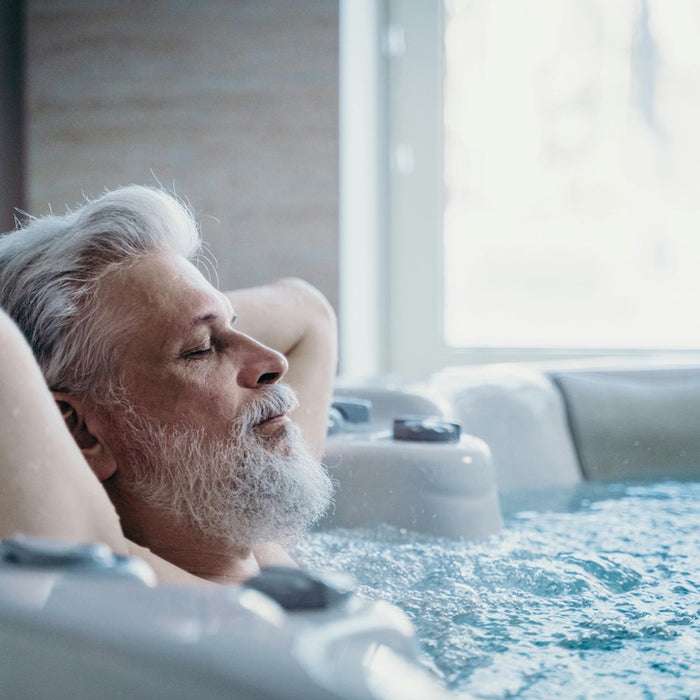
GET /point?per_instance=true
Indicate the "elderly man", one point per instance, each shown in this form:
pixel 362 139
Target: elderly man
pixel 191 425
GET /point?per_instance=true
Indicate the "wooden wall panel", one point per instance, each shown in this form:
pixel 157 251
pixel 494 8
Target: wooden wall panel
pixel 232 103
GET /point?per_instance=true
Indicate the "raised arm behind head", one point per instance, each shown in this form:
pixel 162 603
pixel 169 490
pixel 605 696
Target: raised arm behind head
pixel 46 488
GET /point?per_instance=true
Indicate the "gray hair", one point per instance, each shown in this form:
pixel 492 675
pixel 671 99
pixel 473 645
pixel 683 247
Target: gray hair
pixel 50 269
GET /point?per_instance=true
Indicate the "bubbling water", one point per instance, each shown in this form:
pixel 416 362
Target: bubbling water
pixel 601 599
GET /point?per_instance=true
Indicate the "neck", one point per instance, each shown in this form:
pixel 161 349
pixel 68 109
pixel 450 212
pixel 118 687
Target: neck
pixel 209 560
pixel 181 545
pixel 214 565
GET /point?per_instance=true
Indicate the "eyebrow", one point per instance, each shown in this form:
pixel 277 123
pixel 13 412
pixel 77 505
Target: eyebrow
pixel 202 319
pixel 208 318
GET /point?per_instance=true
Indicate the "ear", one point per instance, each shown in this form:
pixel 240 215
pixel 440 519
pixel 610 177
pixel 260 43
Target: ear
pixel 84 427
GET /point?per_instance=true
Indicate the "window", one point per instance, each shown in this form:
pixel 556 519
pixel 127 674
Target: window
pixel 537 190
pixel 572 164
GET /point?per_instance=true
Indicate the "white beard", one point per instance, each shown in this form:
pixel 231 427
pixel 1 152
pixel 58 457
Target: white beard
pixel 242 490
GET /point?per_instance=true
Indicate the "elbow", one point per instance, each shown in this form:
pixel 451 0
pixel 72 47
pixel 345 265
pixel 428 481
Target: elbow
pixel 319 310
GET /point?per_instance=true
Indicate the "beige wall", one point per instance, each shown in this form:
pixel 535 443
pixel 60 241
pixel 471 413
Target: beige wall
pixel 232 102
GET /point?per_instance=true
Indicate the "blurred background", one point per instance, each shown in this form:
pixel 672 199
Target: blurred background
pixel 467 181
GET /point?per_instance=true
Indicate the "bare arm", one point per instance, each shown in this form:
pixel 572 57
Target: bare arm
pixel 46 487
pixel 295 319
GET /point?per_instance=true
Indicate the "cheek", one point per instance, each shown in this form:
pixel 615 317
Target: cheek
pixel 199 398
pixel 205 405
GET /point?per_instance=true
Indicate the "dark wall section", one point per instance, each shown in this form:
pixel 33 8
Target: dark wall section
pixel 11 110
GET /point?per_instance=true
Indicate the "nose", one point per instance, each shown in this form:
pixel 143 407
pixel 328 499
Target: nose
pixel 259 364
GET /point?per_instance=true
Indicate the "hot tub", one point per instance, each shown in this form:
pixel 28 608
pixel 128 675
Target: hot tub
pixel 436 459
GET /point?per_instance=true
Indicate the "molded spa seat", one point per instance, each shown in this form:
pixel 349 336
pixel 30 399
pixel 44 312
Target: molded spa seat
pixel 634 423
pixel 521 443
pixel 519 412
pixel 553 424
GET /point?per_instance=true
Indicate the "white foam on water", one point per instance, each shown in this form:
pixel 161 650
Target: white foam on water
pixel 597 599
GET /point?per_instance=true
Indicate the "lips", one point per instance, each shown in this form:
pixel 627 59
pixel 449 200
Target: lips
pixel 268 411
pixel 269 419
pixel 272 424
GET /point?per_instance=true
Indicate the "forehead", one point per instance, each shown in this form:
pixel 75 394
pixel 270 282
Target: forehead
pixel 162 287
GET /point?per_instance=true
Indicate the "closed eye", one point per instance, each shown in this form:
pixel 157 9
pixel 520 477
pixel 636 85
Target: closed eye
pixel 197 353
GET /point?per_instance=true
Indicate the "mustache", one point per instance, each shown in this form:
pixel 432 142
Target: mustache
pixel 270 401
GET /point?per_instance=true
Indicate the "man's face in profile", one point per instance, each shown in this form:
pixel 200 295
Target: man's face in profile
pixel 204 439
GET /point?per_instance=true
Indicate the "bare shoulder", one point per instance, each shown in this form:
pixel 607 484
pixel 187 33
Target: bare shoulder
pixel 46 487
